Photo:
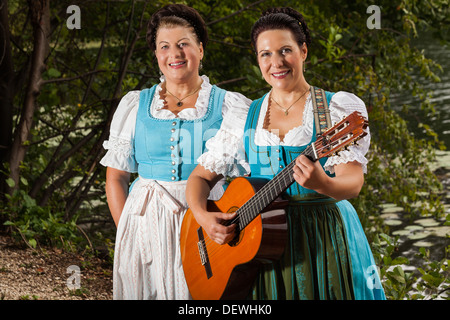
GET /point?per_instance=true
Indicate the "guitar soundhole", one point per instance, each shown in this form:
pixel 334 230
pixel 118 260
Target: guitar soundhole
pixel 238 238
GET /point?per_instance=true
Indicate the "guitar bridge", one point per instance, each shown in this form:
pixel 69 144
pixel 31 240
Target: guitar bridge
pixel 203 252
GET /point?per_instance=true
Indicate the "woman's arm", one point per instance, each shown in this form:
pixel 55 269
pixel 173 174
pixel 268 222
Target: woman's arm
pixel 347 183
pixel 116 191
pixel 198 187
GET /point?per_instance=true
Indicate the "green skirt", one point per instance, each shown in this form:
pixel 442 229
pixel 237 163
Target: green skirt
pixel 316 261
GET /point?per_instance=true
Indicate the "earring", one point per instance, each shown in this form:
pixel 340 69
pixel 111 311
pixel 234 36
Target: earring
pixel 304 66
pixel 200 67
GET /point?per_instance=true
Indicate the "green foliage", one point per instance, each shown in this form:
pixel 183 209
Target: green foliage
pixel 397 284
pixel 431 282
pixel 38 225
pixel 435 276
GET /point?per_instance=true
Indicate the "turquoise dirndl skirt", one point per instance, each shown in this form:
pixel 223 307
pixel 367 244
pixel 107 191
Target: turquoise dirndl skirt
pixel 327 257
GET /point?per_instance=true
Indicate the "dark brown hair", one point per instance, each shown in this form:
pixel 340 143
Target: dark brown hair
pixel 176 15
pixel 283 18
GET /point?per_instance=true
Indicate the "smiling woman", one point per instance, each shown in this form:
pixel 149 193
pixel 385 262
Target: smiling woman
pixel 159 132
pixel 281 62
pixel 327 255
pixel 179 56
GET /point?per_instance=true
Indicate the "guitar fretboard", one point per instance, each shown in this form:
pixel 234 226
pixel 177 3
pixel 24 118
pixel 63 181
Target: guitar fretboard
pixel 268 193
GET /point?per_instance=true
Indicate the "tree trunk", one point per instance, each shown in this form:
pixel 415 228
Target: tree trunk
pixel 40 13
pixel 6 89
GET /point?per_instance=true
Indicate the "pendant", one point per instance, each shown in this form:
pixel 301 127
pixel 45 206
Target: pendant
pixel 179 104
pixel 286 113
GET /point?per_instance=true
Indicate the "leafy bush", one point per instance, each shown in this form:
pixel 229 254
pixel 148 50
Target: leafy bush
pixel 38 225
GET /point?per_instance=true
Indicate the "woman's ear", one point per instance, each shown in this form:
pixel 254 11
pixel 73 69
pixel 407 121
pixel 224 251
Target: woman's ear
pixel 304 50
pixel 201 50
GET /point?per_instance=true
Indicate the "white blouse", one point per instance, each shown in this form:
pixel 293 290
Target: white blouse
pixel 226 149
pixel 120 146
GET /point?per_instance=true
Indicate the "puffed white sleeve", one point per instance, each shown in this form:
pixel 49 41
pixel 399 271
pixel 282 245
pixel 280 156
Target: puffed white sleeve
pixel 225 150
pixel 341 105
pixel 120 144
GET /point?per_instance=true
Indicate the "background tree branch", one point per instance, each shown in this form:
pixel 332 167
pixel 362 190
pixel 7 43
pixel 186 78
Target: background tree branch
pixel 40 19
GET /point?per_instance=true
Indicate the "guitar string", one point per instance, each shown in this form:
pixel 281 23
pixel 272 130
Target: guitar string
pixel 266 191
pixel 308 150
pixel 270 186
pixel 256 200
pixel 252 211
pixel 246 214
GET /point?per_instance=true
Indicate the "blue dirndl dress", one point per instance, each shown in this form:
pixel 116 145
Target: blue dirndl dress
pixel 327 255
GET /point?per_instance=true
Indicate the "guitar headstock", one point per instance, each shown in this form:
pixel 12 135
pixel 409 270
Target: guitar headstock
pixel 342 134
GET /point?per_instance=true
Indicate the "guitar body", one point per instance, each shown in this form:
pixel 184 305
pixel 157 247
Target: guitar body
pixel 228 271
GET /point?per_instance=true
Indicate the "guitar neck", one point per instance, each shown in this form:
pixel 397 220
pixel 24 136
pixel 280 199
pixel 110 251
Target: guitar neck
pixel 269 192
pixel 345 132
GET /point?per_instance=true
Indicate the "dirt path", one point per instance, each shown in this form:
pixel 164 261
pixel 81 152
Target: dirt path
pixel 51 274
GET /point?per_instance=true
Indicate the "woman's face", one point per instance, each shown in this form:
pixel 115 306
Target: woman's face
pixel 281 59
pixel 178 53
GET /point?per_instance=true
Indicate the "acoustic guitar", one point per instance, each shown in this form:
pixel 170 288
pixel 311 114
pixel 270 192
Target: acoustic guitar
pixel 228 271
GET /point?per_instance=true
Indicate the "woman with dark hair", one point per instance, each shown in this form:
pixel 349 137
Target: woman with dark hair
pixel 327 255
pixel 159 133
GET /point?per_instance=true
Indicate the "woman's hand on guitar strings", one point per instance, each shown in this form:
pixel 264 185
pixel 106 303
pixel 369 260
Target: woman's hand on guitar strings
pixel 215 225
